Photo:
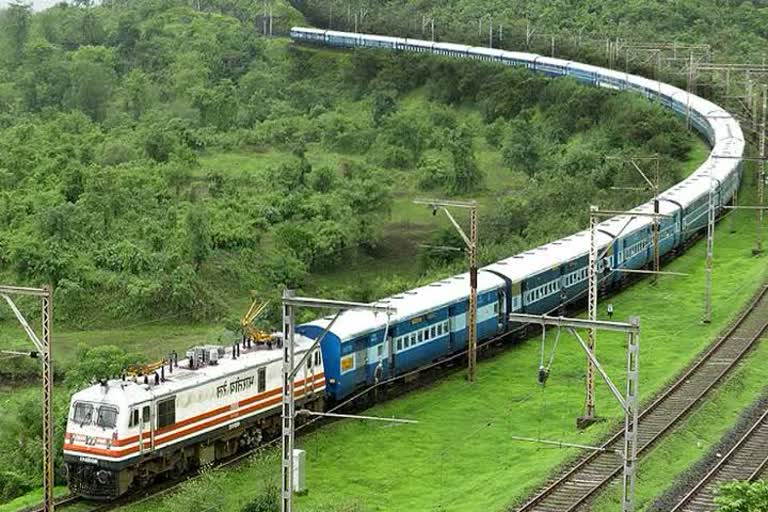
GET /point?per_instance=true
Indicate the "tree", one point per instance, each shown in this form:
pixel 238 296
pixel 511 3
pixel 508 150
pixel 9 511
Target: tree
pixel 743 497
pixel 382 105
pixel 92 79
pixel 198 235
pixel 519 151
pixel 16 20
pixel 137 93
pixel 466 176
pixel 94 363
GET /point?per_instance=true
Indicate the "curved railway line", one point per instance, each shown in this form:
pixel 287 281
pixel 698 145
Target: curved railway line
pixel 574 488
pixel 747 460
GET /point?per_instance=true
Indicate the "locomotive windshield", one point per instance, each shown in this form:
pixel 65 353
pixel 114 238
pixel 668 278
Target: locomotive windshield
pixel 83 413
pixel 107 417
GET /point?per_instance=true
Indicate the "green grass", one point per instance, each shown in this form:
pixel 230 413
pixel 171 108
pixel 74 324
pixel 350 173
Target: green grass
pixel 152 339
pixel 460 455
pixel 34 498
pixel 692 440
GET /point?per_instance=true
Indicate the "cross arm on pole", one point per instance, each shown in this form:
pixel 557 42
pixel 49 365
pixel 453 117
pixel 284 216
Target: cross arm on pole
pixel 22 290
pixel 307 412
pixel 23 321
pixel 613 213
pixel 458 228
pixel 316 343
pixel 637 168
pixel 596 363
pixel 336 304
pixel 576 323
pixel 444 205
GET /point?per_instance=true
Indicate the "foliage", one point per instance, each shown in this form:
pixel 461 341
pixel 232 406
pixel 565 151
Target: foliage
pixel 267 501
pixel 742 497
pixel 96 363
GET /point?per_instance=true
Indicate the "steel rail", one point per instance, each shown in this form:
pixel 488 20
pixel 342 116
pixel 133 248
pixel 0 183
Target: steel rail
pixel 758 428
pixel 723 342
pixel 63 501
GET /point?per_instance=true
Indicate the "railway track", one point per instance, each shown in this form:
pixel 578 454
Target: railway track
pixel 573 489
pixel 747 460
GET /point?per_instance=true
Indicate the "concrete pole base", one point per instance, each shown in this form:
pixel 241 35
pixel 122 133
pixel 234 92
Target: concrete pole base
pixel 584 422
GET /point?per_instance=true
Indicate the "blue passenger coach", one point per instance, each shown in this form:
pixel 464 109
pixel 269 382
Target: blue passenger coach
pixel 431 322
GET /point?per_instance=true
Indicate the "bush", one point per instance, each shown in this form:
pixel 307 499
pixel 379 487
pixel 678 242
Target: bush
pixel 743 497
pixel 267 501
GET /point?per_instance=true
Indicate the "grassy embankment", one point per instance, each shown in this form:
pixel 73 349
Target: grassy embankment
pixel 460 456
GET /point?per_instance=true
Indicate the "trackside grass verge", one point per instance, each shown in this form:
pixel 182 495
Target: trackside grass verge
pixel 460 456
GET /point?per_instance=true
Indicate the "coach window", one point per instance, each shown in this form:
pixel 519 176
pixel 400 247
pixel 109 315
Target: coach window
pixel 262 380
pixel 399 343
pixel 432 332
pixel 166 412
pixel 421 336
pixel 134 418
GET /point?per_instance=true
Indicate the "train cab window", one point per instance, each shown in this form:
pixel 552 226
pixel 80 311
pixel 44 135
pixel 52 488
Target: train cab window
pixel 318 358
pixel 107 417
pixel 145 414
pixel 83 413
pixel 134 419
pixel 166 412
pixel 261 375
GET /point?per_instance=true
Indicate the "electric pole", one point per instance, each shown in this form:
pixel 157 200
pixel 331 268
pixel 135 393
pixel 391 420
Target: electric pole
pixel 595 257
pixel 589 407
pixel 471 244
pixel 761 176
pixel 711 217
pixel 43 346
pixel 653 186
pixel 291 369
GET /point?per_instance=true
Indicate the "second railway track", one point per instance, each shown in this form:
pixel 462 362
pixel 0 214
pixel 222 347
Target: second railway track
pixel 573 489
pixel 746 460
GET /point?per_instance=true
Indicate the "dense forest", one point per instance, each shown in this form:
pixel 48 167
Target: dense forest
pixel 118 123
pixel 106 113
pixel 736 29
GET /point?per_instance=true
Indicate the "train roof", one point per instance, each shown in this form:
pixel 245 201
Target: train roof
pixel 127 392
pixel 409 304
pixel 308 30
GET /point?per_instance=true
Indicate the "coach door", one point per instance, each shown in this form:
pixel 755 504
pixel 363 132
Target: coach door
pixel 146 429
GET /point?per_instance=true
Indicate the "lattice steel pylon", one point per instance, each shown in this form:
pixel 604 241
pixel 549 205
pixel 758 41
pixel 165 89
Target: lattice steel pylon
pixel 631 406
pixel 291 367
pixel 711 218
pixel 761 174
pixel 472 327
pixel 589 406
pixel 43 347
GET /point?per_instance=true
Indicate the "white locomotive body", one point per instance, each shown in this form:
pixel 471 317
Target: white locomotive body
pixel 128 431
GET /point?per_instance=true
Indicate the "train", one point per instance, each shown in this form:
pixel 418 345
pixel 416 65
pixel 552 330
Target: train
pixel 125 432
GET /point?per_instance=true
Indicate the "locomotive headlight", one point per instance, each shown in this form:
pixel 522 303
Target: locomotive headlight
pixel 102 476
